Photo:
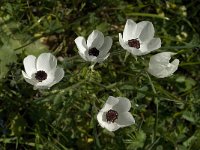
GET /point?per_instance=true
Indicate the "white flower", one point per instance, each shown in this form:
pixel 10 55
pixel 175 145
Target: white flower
pixel 160 67
pixel 138 38
pixel 97 47
pixel 114 114
pixel 42 72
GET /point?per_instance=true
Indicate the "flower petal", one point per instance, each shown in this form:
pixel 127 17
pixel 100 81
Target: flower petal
pixel 162 58
pixel 129 30
pixel 81 44
pixel 28 79
pixel 111 101
pixel 154 44
pixel 163 73
pixel 45 84
pixel 175 63
pixel 58 75
pixel 147 47
pixel 95 39
pixel 101 59
pixel 90 58
pixel 145 31
pixel 30 65
pixel 111 126
pixel 160 67
pixel 103 51
pixel 46 62
pixel 122 43
pixel 131 50
pixel 123 105
pixel 158 64
pixel 173 66
pixel 83 56
pixel 142 51
pixel 156 70
pixel 125 119
pixel 101 117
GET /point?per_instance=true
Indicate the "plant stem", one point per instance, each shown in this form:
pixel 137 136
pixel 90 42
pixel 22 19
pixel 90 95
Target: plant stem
pixel 95 129
pixel 156 103
pixel 190 63
pixel 148 15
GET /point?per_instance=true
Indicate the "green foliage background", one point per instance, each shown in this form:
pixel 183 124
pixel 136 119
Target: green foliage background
pixel 167 111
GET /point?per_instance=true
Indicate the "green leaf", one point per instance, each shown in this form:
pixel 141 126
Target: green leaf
pixel 189 116
pixel 159 147
pixel 7 56
pixel 195 40
pixel 137 140
pixel 189 141
pixel 18 125
pixel 35 48
pixel 103 27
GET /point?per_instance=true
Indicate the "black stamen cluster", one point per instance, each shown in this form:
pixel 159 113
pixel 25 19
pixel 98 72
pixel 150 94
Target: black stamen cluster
pixel 94 52
pixel 134 43
pixel 40 75
pixel 111 115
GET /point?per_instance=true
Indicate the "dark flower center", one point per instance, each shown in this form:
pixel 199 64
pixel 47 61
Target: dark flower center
pixel 94 52
pixel 111 115
pixel 41 75
pixel 134 43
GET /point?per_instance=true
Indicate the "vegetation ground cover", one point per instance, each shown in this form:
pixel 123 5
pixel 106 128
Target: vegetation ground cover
pixel 166 110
